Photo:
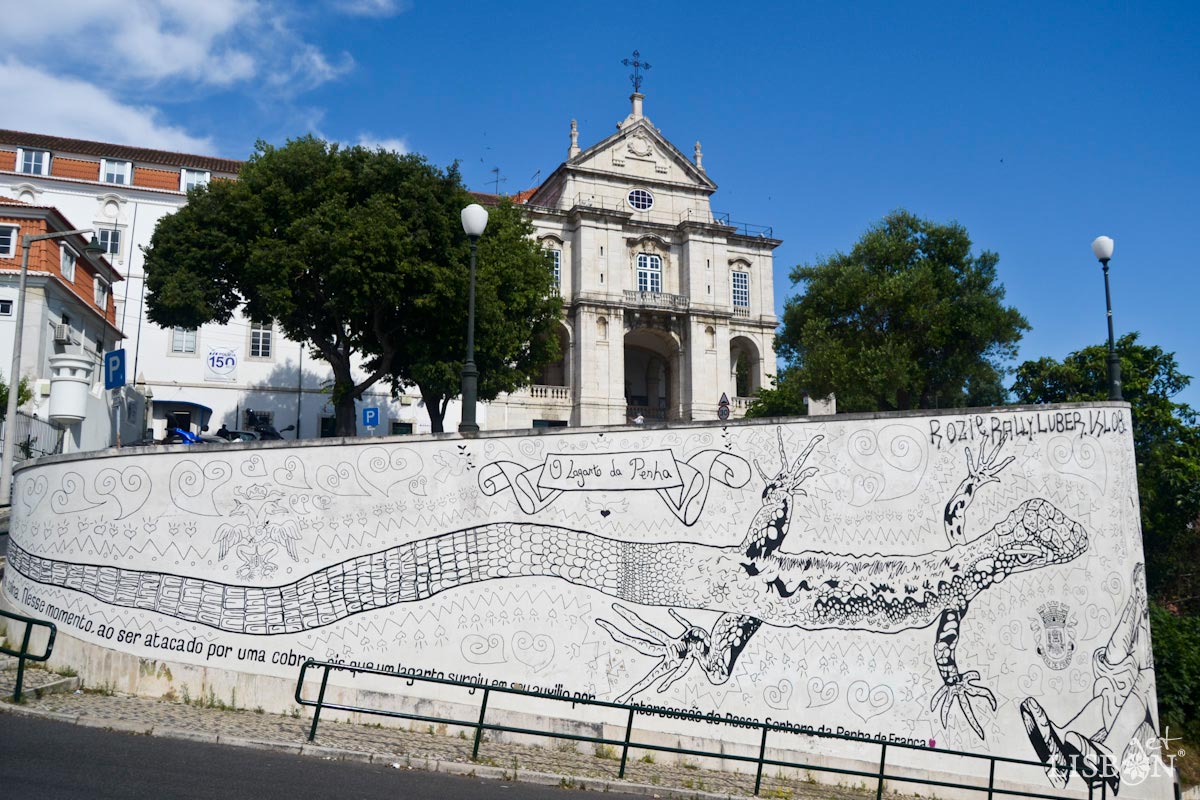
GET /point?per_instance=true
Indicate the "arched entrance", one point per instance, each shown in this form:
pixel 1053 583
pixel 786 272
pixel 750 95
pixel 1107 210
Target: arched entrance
pixel 651 375
pixel 557 373
pixel 745 367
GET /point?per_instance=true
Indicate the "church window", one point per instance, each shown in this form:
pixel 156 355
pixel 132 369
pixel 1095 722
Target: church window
pixel 641 199
pixel 741 289
pixel 556 266
pixel 649 273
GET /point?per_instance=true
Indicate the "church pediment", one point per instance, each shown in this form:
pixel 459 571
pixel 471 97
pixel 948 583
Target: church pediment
pixel 639 150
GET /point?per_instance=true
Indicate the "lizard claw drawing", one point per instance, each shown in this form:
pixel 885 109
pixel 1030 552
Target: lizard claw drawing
pixel 961 691
pixel 985 470
pixel 675 653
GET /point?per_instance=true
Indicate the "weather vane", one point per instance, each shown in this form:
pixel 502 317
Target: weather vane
pixel 638 65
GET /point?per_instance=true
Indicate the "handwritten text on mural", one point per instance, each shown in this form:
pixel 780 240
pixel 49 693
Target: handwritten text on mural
pixel 986 428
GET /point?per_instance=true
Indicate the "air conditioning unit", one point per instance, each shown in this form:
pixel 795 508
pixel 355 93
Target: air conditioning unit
pixel 62 334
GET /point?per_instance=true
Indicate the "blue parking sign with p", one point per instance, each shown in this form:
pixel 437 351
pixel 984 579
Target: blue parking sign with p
pixel 371 417
pixel 114 369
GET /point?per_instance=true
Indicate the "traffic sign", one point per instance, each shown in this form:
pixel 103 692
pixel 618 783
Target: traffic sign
pixel 371 417
pixel 723 407
pixel 114 369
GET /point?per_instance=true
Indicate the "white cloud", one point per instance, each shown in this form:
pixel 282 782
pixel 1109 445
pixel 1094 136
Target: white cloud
pixel 43 103
pixel 307 69
pixel 372 8
pixel 216 43
pixel 142 40
pixel 371 142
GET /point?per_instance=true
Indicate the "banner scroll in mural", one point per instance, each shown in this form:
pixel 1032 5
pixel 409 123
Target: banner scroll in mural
pixel 683 486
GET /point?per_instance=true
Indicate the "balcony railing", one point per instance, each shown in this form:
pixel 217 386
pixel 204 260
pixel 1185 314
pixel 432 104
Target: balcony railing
pixel 543 392
pixel 741 311
pixel 648 413
pixel 678 302
pixel 742 403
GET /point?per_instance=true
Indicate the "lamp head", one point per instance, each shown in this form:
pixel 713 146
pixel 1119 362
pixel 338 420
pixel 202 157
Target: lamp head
pixel 94 248
pixel 1102 246
pixel 474 220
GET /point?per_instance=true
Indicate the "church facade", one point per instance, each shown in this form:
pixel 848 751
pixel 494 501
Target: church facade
pixel 668 306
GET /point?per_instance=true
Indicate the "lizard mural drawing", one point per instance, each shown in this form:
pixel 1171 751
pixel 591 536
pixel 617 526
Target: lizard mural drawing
pixel 751 584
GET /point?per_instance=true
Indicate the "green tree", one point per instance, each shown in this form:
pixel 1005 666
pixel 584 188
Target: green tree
pixel 336 245
pixel 909 318
pixel 516 309
pixel 1166 441
pixel 784 399
pixel 24 394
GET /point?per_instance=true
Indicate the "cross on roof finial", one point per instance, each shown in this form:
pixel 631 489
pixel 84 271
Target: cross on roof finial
pixel 638 65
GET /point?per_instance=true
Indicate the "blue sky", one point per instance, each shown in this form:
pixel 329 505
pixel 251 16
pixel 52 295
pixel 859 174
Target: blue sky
pixel 1038 126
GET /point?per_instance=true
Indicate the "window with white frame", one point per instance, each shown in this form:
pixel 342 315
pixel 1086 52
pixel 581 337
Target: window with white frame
pixel 110 240
pixel 641 199
pixel 556 266
pixel 114 170
pixel 183 341
pixel 260 339
pixel 8 240
pixel 6 308
pixel 66 264
pixel 649 272
pixel 191 178
pixel 33 162
pixel 101 293
pixel 741 289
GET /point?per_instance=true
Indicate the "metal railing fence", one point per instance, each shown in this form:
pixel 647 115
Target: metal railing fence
pixel 22 655
pixel 35 436
pixel 480 725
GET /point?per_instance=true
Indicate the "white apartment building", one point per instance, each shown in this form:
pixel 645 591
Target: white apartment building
pixel 668 306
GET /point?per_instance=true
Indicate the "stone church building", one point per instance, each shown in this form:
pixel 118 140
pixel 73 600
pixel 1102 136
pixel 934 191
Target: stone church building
pixel 668 306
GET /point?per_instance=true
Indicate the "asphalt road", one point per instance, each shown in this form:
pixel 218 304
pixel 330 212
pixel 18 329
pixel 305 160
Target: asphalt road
pixel 51 760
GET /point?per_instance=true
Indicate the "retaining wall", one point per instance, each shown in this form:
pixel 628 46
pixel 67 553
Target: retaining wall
pixel 969 580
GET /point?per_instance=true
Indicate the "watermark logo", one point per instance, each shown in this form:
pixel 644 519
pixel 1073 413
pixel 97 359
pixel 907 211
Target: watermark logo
pixel 1154 758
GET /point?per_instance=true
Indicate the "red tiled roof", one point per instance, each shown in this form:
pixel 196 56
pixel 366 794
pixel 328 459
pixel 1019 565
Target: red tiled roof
pixel 142 155
pixel 523 196
pixel 489 199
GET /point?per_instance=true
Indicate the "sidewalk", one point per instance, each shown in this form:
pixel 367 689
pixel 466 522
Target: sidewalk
pixel 559 763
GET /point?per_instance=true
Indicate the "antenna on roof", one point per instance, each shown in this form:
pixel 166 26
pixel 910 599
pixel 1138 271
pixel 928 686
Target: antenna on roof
pixel 534 179
pixel 497 180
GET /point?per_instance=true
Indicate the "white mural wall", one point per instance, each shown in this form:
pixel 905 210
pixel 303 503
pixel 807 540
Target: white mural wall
pixel 969 581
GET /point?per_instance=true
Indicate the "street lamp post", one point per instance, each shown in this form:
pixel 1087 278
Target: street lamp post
pixel 14 374
pixel 474 220
pixel 1102 247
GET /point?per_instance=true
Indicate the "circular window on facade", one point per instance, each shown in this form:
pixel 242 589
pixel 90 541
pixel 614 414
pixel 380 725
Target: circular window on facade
pixel 641 199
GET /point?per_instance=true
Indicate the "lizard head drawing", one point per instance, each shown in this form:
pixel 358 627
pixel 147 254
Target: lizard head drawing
pixel 1035 534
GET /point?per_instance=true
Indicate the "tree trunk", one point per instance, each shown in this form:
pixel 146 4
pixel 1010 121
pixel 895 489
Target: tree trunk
pixel 435 405
pixel 344 415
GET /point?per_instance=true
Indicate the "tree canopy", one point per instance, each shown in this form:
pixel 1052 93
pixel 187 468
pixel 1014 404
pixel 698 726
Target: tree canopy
pixel 1166 439
pixel 516 307
pixel 343 248
pixel 909 318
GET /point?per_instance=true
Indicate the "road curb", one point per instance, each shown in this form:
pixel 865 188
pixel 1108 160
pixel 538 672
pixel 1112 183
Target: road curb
pixel 458 768
pixel 119 725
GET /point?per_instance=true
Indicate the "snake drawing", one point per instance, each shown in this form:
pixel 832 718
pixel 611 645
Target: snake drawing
pixel 751 584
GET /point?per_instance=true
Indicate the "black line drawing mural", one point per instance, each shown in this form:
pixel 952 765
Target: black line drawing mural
pixel 1118 713
pixel 751 584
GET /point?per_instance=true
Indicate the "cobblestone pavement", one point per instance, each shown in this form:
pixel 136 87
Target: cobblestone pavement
pixel 562 762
